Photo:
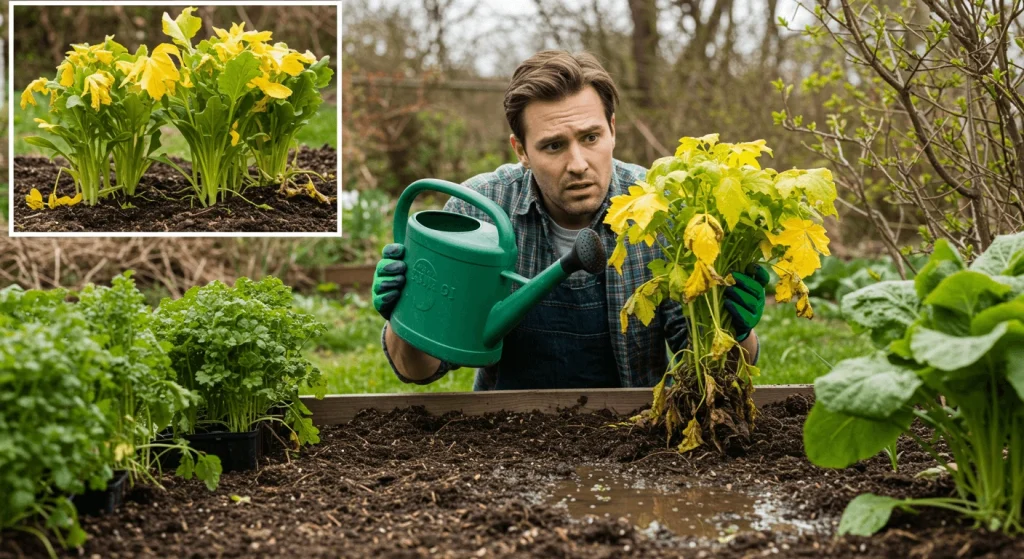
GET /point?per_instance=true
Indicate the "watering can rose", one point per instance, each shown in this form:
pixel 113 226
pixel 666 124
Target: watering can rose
pixel 713 211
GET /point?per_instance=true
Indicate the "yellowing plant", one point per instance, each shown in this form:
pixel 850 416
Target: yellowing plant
pixel 220 94
pixel 93 119
pixel 232 96
pixel 713 210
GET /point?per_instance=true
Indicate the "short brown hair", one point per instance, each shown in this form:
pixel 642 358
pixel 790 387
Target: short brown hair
pixel 552 75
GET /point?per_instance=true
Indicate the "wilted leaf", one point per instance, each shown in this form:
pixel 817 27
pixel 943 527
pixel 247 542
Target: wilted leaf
pixel 691 436
pixel 804 239
pixel 702 235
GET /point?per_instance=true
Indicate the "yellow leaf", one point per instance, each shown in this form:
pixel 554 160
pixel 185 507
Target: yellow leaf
pixel 804 239
pixel 722 343
pixel 122 451
pixel 730 198
pixel 97 87
pixel 699 282
pixel 636 236
pixel 34 199
pixel 702 235
pixel 738 155
pixel 67 74
pixel 36 86
pixel 659 397
pixel 618 255
pixel 788 280
pixel 52 201
pixel 766 248
pixel 271 89
pixel 640 304
pixel 759 182
pixel 67 201
pixel 691 436
pixel 803 304
pixel 816 184
pixel 156 74
pixel 45 125
pixel 644 305
pixel 639 206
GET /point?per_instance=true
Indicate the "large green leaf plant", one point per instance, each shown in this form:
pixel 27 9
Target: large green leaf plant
pixel 951 354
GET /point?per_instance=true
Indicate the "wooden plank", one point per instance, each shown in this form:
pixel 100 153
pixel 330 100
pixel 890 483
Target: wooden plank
pixel 349 275
pixel 341 408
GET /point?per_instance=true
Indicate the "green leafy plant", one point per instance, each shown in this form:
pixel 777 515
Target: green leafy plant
pixel 838 277
pixel 141 391
pixel 54 428
pixel 950 355
pixel 240 349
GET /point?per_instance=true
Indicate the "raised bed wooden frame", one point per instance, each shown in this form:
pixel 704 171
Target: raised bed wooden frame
pixel 341 408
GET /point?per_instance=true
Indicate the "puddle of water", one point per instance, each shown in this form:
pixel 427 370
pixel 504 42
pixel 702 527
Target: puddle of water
pixel 703 512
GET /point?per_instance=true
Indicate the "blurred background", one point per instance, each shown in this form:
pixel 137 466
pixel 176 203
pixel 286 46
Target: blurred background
pixel 421 86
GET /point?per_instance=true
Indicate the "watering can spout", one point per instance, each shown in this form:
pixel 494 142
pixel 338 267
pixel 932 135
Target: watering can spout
pixel 587 254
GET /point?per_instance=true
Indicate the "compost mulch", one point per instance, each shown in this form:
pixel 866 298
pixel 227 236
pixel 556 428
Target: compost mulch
pixel 406 484
pixel 160 202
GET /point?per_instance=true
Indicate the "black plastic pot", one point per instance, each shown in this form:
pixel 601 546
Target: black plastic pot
pixel 237 451
pixel 103 501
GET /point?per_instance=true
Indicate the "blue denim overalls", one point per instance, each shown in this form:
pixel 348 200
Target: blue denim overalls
pixel 562 342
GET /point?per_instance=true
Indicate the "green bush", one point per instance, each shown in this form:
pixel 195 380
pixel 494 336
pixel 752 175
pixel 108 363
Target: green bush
pixel 240 349
pixel 950 355
pixel 54 428
pixel 141 393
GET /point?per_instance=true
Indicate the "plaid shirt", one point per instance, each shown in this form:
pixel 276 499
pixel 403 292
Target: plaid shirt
pixel 640 353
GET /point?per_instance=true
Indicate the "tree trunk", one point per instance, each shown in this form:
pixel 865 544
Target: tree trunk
pixel 645 47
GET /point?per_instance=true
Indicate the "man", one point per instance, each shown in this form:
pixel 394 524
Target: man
pixel 561 109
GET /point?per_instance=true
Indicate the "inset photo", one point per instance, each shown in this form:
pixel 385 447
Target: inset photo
pixel 174 120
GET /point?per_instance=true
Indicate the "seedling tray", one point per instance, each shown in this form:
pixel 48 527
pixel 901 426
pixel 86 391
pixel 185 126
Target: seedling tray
pixel 102 501
pixel 237 451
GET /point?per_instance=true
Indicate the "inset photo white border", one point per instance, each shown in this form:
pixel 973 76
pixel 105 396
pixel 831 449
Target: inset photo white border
pixel 158 5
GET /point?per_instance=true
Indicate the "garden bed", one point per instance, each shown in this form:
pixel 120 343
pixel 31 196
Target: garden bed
pixel 153 213
pixel 407 483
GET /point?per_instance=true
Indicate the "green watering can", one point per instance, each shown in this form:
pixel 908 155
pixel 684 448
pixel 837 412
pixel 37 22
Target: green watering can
pixel 456 304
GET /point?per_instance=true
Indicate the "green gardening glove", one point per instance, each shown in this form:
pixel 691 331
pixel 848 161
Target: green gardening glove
pixel 389 279
pixel 745 301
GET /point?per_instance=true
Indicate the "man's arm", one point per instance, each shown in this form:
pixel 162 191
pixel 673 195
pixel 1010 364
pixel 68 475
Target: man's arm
pixel 752 346
pixel 411 364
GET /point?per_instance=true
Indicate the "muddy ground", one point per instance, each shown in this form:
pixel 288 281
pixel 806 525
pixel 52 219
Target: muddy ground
pixel 161 203
pixel 404 484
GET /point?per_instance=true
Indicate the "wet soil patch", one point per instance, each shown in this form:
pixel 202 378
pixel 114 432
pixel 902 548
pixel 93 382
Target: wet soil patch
pixel 161 203
pixel 405 484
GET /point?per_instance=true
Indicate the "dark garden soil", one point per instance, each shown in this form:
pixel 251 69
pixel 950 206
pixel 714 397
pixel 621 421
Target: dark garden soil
pixel 161 203
pixel 404 484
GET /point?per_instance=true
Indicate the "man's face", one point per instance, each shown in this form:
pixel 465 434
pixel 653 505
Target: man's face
pixel 568 146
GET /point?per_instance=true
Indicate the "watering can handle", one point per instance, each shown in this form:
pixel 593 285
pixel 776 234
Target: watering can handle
pixel 506 239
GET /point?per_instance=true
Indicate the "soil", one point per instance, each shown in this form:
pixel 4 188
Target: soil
pixel 161 203
pixel 405 484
